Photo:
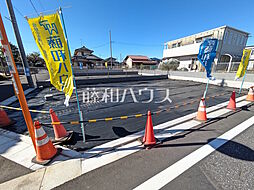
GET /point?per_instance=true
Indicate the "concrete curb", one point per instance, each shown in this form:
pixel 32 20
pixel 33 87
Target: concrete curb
pixel 46 178
pixel 218 82
pixel 105 73
pixel 222 79
pixel 13 99
pixel 109 80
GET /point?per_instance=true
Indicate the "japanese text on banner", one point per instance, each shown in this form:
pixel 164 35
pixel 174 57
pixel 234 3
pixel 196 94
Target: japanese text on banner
pixel 48 34
pixel 207 53
pixel 244 63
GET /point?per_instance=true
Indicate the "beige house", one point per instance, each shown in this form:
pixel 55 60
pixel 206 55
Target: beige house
pixel 137 61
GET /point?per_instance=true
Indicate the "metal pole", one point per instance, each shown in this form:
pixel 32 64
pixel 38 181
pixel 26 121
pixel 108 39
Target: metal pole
pixel 74 81
pixel 110 48
pixel 16 81
pixel 206 89
pixel 20 44
pixel 242 83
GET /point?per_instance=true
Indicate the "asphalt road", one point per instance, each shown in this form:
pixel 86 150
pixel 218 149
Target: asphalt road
pixel 98 133
pixel 10 170
pixel 229 167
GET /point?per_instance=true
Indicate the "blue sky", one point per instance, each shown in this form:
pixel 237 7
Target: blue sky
pixel 138 26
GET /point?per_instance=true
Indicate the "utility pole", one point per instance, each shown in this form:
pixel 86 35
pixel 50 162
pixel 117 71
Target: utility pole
pixel 16 80
pixel 120 61
pixel 110 42
pixel 20 44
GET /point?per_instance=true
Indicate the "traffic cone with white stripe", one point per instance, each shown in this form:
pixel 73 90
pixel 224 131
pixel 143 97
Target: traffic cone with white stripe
pixel 45 150
pixel 61 135
pixel 201 116
pixel 250 96
pixel 5 121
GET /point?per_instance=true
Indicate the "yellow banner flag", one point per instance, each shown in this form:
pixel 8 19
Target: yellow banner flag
pixel 48 34
pixel 244 63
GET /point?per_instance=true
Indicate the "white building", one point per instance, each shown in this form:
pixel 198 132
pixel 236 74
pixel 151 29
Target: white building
pixel 231 44
pixel 251 60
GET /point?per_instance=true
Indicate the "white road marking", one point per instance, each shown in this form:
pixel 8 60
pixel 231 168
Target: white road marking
pixel 23 155
pixel 124 140
pixel 164 177
pixel 100 160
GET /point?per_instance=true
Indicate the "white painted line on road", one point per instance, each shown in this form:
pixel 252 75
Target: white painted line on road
pixel 86 165
pixel 124 140
pixel 177 129
pixel 100 160
pixel 241 104
pixel 164 177
pixel 109 157
pixel 9 141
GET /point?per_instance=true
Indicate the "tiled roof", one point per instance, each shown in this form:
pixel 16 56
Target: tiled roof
pixel 142 57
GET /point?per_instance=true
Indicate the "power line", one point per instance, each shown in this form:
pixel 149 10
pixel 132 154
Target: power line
pixel 34 7
pixel 138 44
pixel 100 45
pixel 41 5
pixel 19 12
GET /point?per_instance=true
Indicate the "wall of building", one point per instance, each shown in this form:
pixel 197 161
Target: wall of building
pixel 233 43
pixel 129 62
pixel 190 49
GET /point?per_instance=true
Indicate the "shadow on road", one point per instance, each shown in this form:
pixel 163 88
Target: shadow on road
pixel 122 132
pixel 230 148
pixel 233 149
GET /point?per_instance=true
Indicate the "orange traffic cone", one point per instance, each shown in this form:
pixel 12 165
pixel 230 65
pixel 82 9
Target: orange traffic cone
pixel 250 96
pixel 61 135
pixel 149 138
pixel 201 116
pixel 232 104
pixel 45 150
pixel 4 119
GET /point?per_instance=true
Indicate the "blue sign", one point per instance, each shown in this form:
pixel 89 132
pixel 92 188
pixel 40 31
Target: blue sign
pixel 207 53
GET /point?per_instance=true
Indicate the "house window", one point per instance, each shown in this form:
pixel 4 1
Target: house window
pixel 198 40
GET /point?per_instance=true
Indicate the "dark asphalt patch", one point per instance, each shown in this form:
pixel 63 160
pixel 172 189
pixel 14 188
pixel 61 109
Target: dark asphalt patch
pixel 181 92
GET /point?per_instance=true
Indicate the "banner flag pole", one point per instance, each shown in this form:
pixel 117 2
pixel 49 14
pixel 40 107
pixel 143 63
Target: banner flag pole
pixel 206 89
pixel 74 81
pixel 242 83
